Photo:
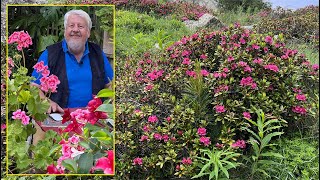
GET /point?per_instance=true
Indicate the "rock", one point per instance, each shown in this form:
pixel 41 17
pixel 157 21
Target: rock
pixel 204 21
pixel 247 27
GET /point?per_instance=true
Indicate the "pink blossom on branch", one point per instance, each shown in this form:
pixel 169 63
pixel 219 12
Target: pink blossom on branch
pixel 187 161
pixel 152 119
pixel 239 144
pixel 246 115
pixel 299 110
pixel 49 83
pixel 220 108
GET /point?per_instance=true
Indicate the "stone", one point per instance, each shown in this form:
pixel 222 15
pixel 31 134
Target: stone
pixel 204 21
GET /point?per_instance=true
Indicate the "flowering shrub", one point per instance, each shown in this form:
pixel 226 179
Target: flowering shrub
pixel 302 24
pixel 159 125
pixel 85 145
pixel 179 9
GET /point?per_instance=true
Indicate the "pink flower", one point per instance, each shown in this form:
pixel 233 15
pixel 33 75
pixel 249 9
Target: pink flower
pixel 204 72
pixel 205 140
pixel 22 116
pixel 157 136
pixel 186 161
pixel 301 97
pixel 49 83
pixel 258 61
pixel 246 115
pixel 299 110
pixel 149 87
pixel 254 46
pixel 242 41
pixel 248 81
pixel 220 108
pixel 203 56
pixel 22 38
pixel 202 131
pixel 146 128
pixel 226 70
pixel 272 67
pixel 186 61
pixel 239 143
pixel 186 53
pixel 168 119
pixel 137 161
pixel 144 138
pixel 94 104
pixel 315 67
pixel 165 137
pixel 230 58
pixel 40 66
pixel 153 119
pixel 3 126
pixel 191 73
pixel 74 139
pixel 268 39
pixel 106 163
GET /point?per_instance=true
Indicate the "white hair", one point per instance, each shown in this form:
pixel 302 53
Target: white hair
pixel 79 13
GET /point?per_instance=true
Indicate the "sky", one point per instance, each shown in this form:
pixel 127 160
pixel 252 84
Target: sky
pixel 292 4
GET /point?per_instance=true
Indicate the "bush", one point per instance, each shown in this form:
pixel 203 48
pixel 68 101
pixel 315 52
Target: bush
pixel 157 99
pixel 302 24
pixel 234 4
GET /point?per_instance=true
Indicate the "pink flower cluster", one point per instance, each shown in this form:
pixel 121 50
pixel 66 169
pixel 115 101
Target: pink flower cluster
pixel 138 161
pixel 11 65
pixel 239 144
pixel 22 38
pixel 272 67
pixel 221 88
pixel 191 73
pixel 186 161
pixel 49 83
pixel 268 40
pixel 18 114
pixel 299 110
pixel 301 97
pixel 3 126
pixel 258 61
pixel 152 119
pixel 204 140
pixel 155 74
pixel 246 115
pixel 220 108
pixel 245 66
pixel 248 81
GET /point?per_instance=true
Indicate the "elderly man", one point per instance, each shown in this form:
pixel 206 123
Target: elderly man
pixel 81 66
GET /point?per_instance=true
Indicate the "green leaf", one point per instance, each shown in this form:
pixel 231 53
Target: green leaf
pixel 24 96
pixel 105 93
pixel 71 165
pixel 84 144
pixel 54 149
pixel 45 41
pixel 105 108
pixel 272 154
pixel 268 137
pixel 85 163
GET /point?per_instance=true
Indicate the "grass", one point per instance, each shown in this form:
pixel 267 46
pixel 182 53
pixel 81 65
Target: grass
pixel 245 18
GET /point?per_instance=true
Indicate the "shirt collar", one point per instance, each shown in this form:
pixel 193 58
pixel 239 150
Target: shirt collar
pixel 65 47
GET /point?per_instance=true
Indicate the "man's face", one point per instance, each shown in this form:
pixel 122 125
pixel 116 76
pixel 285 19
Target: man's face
pixel 76 33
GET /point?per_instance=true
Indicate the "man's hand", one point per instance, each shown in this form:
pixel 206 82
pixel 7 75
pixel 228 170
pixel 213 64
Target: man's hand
pixel 54 107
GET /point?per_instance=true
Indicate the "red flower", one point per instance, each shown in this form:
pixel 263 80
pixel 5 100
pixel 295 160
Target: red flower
pixel 66 116
pixel 106 163
pixel 73 126
pixel 51 169
pixel 94 104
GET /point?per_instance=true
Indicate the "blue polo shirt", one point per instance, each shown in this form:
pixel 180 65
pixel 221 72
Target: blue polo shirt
pixel 79 75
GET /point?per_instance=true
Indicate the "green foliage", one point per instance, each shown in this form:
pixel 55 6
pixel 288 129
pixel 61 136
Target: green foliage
pixel 216 162
pixel 268 128
pixel 301 159
pixel 137 33
pixel 246 4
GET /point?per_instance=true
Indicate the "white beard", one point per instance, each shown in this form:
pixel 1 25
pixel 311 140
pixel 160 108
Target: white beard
pixel 75 46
